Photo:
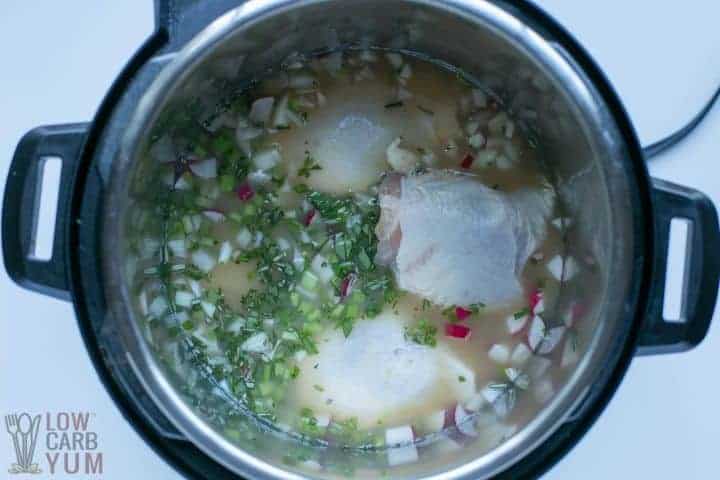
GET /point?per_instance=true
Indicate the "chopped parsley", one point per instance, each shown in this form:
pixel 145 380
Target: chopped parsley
pixel 422 333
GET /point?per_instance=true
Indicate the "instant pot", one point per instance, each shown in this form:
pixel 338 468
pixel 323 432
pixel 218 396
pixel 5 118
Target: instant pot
pixel 618 219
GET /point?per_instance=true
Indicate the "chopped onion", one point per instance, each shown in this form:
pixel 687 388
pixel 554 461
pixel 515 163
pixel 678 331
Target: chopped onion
pixel 499 353
pixel 434 422
pixel 158 307
pixel 261 110
pixel 195 287
pixel 456 330
pixel 520 355
pixel 225 252
pixel 401 159
pixel 178 247
pixel 247 133
pixel 395 60
pixel 476 140
pixel 518 378
pixel 298 260
pixel 516 324
pixel 204 168
pixel 267 158
pixel 467 161
pixel 184 299
pixel 322 268
pixel 203 260
pixel 245 192
pixel 401 448
pixel 542 339
pixel 214 216
pixel 208 308
pixel 243 238
pixel 258 343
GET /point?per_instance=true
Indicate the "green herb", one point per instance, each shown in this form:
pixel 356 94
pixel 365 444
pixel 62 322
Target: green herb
pixel 425 110
pixel 521 313
pixel 461 379
pixel 396 104
pixel 309 165
pixel 422 333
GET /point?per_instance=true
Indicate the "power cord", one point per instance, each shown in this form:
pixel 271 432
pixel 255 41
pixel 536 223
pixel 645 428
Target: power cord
pixel 655 149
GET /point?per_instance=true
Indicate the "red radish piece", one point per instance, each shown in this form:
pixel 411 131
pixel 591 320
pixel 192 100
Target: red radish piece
pixel 457 331
pixel 467 161
pixel 245 192
pixel 537 302
pixel 346 285
pixel 204 168
pixel 462 313
pixel 309 217
pixel 215 216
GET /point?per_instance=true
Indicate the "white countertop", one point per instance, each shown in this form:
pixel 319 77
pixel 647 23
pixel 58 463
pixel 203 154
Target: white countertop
pixel 59 59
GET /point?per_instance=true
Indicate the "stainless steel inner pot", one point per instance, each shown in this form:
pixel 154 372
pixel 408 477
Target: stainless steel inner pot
pixel 580 142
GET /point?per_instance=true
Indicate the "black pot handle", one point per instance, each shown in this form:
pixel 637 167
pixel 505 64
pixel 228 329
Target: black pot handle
pixel 21 205
pixel 702 268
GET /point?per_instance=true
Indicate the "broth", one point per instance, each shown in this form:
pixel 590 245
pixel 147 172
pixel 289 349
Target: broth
pixel 271 262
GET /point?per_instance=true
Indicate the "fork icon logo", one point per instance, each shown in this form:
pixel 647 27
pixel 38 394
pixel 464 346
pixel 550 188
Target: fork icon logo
pixel 23 430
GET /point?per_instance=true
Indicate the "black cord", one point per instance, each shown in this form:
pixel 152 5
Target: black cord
pixel 655 149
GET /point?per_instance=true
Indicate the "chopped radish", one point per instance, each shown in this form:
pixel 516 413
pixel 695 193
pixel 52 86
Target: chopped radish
pixel 205 168
pixel 467 161
pixel 309 217
pixel 464 421
pixel 457 331
pixel 537 302
pixel 491 394
pixel 215 216
pixel 245 192
pixel 261 110
pixel 401 448
pixel 267 158
pixel 543 391
pixel 520 355
pixel 543 339
pixel 225 252
pixel 462 313
pixel 516 322
pixel 570 355
pixel 346 285
pixel 203 260
pixel 283 243
pixel 499 353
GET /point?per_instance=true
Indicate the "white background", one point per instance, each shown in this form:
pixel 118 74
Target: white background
pixel 663 56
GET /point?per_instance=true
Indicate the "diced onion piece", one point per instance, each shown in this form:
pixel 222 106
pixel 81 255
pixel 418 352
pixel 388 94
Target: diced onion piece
pixel 562 268
pixel 462 313
pixel 158 307
pixel 184 299
pixel 456 330
pixel 245 133
pixel 516 323
pixel 570 355
pixel 258 343
pixel 195 287
pixel 225 252
pixel 203 260
pixel 464 421
pixel 261 110
pixel 518 378
pixel 214 216
pixel 434 422
pixel 323 420
pixel 208 308
pixel 284 244
pixel 406 452
pixel 178 247
pixel 490 394
pixel 245 192
pixel 204 168
pixel 499 353
pixel 142 300
pixel 520 355
pixel 395 60
pixel 244 238
pixel 267 159
pixel 322 268
pixel 543 339
pixel 476 140
pixel 298 260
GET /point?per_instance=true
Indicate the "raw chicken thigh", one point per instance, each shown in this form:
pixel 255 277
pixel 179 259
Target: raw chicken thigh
pixel 454 241
pixel 377 374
